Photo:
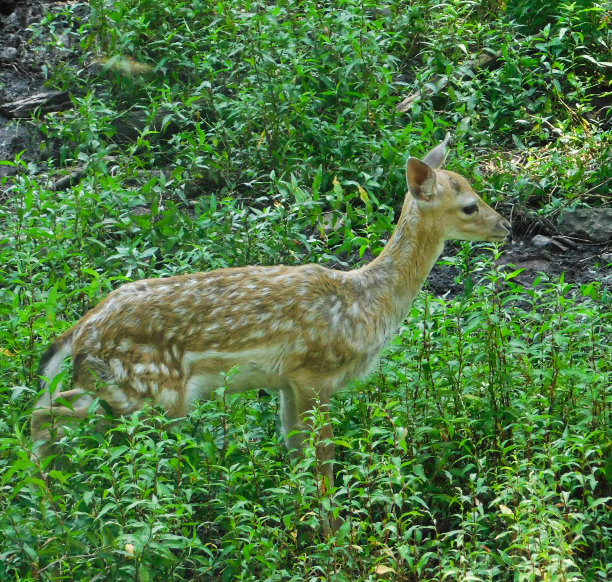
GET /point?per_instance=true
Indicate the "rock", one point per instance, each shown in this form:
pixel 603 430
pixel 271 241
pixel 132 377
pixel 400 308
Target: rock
pixel 13 140
pixel 607 258
pixel 488 59
pixel 12 24
pixel 590 223
pixel 70 180
pixel 541 242
pixel 130 125
pixel 44 101
pixel 8 54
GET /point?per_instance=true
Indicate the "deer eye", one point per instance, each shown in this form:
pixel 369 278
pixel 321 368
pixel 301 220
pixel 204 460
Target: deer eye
pixel 470 209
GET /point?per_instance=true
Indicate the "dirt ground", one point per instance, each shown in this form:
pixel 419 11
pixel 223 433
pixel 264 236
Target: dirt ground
pixel 536 247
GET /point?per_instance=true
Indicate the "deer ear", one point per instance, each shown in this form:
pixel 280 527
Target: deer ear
pixel 435 158
pixel 421 179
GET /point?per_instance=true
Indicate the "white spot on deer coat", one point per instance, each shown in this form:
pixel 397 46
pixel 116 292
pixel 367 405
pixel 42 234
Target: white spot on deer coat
pixel 125 345
pixel 116 366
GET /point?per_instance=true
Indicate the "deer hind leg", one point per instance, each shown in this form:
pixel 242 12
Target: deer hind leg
pixel 92 378
pixel 50 416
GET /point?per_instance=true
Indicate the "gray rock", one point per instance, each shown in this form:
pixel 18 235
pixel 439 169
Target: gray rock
pixel 541 242
pixel 591 223
pixel 8 54
pixel 44 101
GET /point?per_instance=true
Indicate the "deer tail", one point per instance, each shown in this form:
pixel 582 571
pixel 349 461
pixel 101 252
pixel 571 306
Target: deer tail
pixel 51 362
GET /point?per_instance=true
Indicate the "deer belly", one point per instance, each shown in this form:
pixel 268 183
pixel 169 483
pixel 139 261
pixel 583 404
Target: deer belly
pixel 206 372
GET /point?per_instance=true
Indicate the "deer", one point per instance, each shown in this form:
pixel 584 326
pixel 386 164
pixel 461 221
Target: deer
pixel 303 331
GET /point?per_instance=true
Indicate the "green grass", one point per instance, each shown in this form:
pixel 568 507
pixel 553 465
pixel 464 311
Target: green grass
pixel 481 448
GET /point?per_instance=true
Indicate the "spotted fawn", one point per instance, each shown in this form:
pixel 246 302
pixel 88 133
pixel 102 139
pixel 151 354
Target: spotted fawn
pixel 303 331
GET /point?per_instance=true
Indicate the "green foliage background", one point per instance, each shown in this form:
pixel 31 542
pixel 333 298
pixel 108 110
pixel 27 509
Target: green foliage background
pixel 208 134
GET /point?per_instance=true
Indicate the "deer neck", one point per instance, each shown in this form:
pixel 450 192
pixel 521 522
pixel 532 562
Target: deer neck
pixel 407 258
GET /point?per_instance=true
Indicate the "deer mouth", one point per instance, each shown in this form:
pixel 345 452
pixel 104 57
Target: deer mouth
pixel 501 237
pixel 505 231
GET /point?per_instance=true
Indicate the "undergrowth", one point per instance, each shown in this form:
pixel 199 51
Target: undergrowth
pixel 204 135
pixel 479 451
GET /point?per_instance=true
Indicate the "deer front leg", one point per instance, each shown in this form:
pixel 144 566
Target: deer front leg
pixel 297 403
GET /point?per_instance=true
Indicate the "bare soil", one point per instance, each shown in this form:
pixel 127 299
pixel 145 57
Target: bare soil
pixel 580 259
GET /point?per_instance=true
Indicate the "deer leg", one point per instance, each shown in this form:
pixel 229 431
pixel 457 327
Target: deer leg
pixel 297 407
pixel 49 417
pixel 53 412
